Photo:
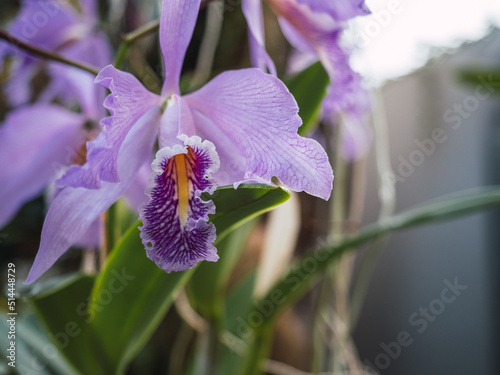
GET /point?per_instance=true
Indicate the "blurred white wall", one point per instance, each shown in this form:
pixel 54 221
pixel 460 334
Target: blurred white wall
pixel 445 137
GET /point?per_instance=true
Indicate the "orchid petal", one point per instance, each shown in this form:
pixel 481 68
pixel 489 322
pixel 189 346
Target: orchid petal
pixel 175 231
pixel 309 31
pixel 178 18
pixel 176 120
pixel 72 85
pixel 92 237
pixel 356 137
pixel 259 115
pixel 44 24
pixel 89 9
pixel 234 163
pixel 179 119
pixel 75 209
pixel 18 85
pixel 135 196
pixel 127 103
pixel 260 58
pixel 339 10
pixel 35 142
pixel 294 37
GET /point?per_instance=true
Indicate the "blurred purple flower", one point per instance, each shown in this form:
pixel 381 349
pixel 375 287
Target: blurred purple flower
pixel 314 28
pixel 58 27
pixel 248 116
pixel 37 144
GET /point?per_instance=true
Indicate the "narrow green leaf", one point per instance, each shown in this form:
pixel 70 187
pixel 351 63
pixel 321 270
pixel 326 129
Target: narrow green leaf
pixel 208 284
pixel 63 310
pixel 130 298
pixel 309 88
pixel 35 352
pixel 299 279
pixel 132 295
pixel 237 206
pixel 296 282
pixel 116 315
pixel 236 331
pixel 489 79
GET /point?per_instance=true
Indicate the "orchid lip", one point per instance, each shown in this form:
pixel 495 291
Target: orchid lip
pixel 176 232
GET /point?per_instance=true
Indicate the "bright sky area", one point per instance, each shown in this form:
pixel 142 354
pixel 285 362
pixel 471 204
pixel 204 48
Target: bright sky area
pixel 396 38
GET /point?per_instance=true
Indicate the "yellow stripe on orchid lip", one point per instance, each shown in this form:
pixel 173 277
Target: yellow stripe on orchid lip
pixel 183 163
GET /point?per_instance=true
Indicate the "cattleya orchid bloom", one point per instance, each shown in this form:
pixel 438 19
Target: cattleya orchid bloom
pixel 57 26
pixel 314 28
pixel 240 127
pixel 45 138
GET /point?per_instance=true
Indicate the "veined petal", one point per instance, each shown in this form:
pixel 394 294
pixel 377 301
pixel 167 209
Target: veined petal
pixel 260 116
pixel 178 18
pixel 179 119
pixel 233 167
pixel 175 231
pixel 252 9
pixel 75 209
pixel 128 102
pixel 35 141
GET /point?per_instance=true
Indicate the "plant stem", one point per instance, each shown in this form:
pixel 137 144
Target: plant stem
pixel 209 43
pixel 387 197
pixel 45 54
pixel 130 38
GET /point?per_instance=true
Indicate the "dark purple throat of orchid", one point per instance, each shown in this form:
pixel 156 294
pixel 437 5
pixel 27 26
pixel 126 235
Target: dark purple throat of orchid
pixel 176 231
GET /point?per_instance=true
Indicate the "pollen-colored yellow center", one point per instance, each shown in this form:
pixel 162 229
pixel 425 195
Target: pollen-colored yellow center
pixel 183 169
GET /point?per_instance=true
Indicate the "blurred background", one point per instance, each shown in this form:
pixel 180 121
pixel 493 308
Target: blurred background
pixel 419 54
pixel 433 68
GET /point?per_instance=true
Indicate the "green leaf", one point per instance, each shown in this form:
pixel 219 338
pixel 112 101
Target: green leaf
pixel 489 79
pixel 207 286
pixel 129 299
pixel 132 295
pixel 35 352
pixel 237 206
pixel 63 311
pixel 116 315
pixel 236 330
pixel 296 282
pixel 299 279
pixel 309 88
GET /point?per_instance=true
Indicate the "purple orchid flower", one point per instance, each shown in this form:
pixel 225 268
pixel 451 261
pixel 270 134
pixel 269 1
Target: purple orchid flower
pixel 43 140
pixel 46 138
pixel 56 26
pixel 35 141
pixel 314 27
pixel 248 121
pixel 341 10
